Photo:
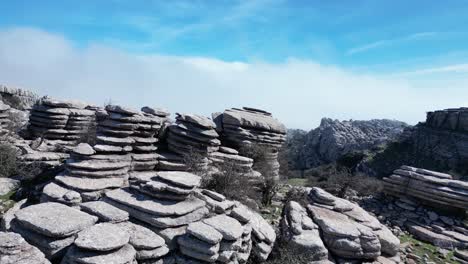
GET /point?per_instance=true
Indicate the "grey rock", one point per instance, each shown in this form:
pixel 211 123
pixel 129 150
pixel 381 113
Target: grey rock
pixel 8 185
pixel 102 237
pixel 204 232
pixel 181 178
pixel 230 228
pixel 54 219
pixel 15 250
pixel 105 212
pixel 141 237
pixel 124 255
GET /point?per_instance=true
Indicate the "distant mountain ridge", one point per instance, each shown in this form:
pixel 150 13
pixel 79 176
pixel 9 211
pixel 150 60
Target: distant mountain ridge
pixel 334 138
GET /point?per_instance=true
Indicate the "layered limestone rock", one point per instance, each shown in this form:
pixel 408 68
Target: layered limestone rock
pixel 229 159
pixel 87 176
pixel 197 225
pixel 18 98
pixel 4 117
pixel 300 234
pixel 124 131
pixel 62 121
pixel 250 130
pixel 101 243
pixel 193 135
pixel 336 226
pixel 51 227
pixel 455 119
pixel 15 250
pixel 434 188
pixel 150 247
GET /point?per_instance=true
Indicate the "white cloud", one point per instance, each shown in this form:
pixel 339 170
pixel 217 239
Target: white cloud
pixel 298 92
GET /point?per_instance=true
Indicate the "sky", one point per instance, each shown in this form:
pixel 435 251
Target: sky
pixel 301 60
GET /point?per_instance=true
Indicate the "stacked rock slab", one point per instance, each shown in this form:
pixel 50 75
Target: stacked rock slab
pixel 263 237
pixel 229 159
pixel 168 202
pixel 169 161
pixel 4 116
pixel 161 200
pixel 51 227
pixel 150 248
pixel 124 131
pixel 101 243
pixel 87 177
pixel 348 231
pixel 15 250
pixel 62 121
pixel 252 128
pixel 301 235
pixel 434 188
pixel 193 134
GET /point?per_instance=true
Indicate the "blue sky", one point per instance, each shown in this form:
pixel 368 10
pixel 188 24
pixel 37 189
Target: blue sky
pixel 411 49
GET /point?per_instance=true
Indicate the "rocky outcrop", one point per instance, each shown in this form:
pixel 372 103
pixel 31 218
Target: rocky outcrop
pixel 17 98
pixel 51 226
pixel 63 121
pixel 252 130
pixel 101 243
pixel 339 227
pixel 4 117
pixel 440 143
pixel 300 234
pixel 434 188
pixel 15 250
pixel 333 139
pixel 193 135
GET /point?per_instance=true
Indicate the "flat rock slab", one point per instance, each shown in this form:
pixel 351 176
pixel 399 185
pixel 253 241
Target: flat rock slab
pixel 204 232
pixel 142 237
pixel 181 178
pixel 124 255
pixel 121 110
pixel 229 227
pixel 105 212
pixel 97 165
pixel 202 121
pixel 102 237
pixel 90 184
pixel 84 149
pixel 54 219
pixel 154 206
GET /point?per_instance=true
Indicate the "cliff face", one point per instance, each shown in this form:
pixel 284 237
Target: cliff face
pixel 440 143
pixel 333 139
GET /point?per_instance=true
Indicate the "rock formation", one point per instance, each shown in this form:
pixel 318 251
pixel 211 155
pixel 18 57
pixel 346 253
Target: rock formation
pixel 333 139
pixel 101 243
pixel 62 121
pixel 249 130
pixel 51 227
pixel 440 143
pixel 4 117
pixel 339 226
pixel 434 188
pixel 193 134
pixel 15 250
pixel 17 98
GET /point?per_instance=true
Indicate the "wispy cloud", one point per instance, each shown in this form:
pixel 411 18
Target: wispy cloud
pixel 389 42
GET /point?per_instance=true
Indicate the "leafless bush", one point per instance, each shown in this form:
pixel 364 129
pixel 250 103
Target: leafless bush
pixel 10 166
pixel 340 180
